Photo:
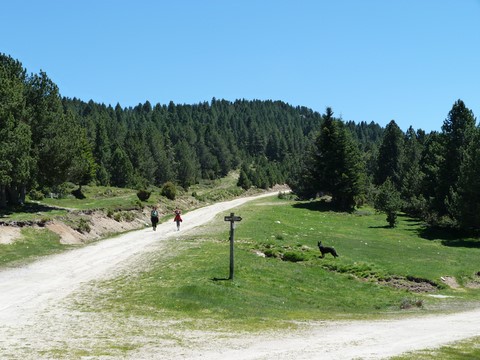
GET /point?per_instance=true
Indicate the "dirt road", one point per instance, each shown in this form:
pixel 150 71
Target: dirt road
pixel 37 321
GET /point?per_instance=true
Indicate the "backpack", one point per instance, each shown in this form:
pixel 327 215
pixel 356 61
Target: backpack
pixel 154 213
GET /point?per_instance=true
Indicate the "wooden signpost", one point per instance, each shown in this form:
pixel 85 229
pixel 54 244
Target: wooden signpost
pixel 232 218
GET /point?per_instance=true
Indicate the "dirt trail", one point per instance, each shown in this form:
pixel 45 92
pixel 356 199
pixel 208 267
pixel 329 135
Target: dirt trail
pixel 34 324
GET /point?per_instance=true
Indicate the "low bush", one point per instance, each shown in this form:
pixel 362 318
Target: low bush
pixel 169 190
pixel 83 226
pixel 36 195
pixel 143 195
pixel 293 256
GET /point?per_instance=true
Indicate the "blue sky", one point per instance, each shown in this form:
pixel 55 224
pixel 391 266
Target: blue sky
pixel 370 60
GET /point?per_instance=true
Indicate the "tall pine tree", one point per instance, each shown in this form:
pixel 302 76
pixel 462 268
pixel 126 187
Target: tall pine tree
pixel 334 165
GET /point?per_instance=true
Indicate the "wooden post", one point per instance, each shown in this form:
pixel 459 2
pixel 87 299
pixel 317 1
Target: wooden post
pixel 232 218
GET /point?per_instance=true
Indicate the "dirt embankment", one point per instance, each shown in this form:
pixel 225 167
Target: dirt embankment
pixel 78 228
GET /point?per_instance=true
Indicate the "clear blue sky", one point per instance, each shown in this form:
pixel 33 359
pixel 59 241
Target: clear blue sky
pixel 370 60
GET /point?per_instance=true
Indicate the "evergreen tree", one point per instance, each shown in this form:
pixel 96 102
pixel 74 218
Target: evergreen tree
pixel 122 174
pixel 83 169
pixel 412 177
pixel 15 134
pixel 54 131
pixel 430 162
pixel 466 200
pixel 334 165
pixel 243 180
pixel 187 165
pixel 390 156
pixel 457 132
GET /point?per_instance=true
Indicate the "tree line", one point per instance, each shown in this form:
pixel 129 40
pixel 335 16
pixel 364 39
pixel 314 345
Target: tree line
pixel 47 140
pixel 434 176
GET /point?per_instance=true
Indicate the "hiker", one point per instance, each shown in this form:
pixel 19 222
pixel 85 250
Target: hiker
pixel 177 218
pixel 154 218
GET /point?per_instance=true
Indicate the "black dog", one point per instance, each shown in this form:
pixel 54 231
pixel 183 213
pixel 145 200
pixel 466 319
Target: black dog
pixel 326 250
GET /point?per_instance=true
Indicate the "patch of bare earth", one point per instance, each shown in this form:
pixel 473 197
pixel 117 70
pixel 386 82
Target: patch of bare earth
pixel 9 234
pixel 410 284
pixel 475 282
pixel 451 282
pixel 66 233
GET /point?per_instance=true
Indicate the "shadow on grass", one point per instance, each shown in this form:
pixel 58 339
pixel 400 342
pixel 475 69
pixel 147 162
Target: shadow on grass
pixel 450 237
pixel 220 279
pixel 446 236
pixel 319 205
pixel 29 208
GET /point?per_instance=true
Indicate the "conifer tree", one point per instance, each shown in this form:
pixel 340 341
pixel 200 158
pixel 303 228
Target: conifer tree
pixel 15 134
pixel 390 156
pixel 83 169
pixel 243 180
pixel 334 165
pixel 466 199
pixel 457 133
pixel 412 177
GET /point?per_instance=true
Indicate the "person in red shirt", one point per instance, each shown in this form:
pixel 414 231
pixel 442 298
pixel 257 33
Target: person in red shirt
pixel 178 218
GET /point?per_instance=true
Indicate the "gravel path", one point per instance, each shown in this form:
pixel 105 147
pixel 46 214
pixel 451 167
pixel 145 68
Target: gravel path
pixel 37 321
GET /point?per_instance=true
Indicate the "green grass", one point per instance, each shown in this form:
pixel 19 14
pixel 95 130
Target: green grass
pixel 97 197
pixel 463 350
pixel 34 243
pixel 270 292
pixel 217 190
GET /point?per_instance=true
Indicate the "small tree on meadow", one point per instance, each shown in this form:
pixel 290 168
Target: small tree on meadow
pixel 388 201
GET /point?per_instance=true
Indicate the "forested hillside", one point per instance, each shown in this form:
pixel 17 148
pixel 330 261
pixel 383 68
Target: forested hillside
pixel 47 140
pixel 144 145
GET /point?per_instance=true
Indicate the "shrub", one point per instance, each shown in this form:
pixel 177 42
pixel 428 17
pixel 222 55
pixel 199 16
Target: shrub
pixel 293 256
pixel 83 226
pixel 169 190
pixel 143 195
pixel 283 195
pixel 43 221
pixel 128 216
pixel 36 195
pixel 271 253
pixel 78 194
pixel 138 204
pixel 407 303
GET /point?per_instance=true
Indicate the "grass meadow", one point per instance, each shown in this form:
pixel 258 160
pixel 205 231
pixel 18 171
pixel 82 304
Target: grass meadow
pixel 291 283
